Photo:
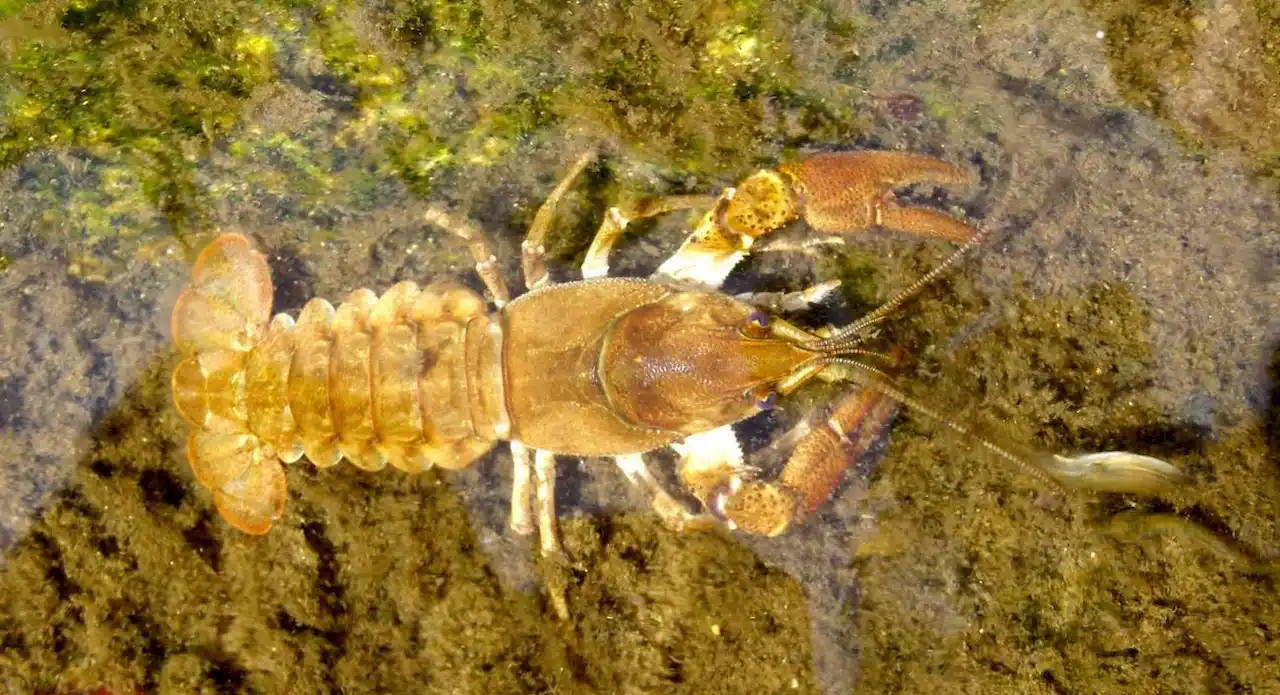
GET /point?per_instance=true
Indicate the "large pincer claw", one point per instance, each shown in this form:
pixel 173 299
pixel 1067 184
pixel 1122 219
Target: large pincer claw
pixel 835 193
pixel 845 192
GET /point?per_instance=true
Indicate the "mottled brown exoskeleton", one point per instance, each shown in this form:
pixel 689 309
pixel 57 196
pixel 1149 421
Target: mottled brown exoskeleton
pixel 423 377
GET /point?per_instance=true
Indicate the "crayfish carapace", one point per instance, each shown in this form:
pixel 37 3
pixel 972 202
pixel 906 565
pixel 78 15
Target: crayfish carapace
pixel 423 377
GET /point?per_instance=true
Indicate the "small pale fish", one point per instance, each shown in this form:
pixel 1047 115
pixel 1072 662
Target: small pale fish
pixel 1114 471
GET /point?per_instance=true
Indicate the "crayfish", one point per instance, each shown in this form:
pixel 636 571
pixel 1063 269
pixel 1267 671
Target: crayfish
pixel 600 367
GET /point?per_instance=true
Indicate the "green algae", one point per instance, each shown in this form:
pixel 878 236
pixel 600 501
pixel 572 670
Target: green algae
pixel 144 93
pixel 1148 41
pixel 682 84
pixel 142 88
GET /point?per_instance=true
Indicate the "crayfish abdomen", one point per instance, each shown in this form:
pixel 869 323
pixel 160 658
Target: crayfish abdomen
pixel 413 378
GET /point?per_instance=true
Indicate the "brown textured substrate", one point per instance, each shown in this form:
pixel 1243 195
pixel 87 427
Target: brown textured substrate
pixel 975 583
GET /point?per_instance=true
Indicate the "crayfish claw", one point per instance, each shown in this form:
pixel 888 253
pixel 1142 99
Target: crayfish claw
pixel 847 192
pixel 757 507
pixel 924 222
pixel 835 193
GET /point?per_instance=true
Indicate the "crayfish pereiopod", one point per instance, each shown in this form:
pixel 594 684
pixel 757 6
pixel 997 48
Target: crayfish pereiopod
pixel 611 367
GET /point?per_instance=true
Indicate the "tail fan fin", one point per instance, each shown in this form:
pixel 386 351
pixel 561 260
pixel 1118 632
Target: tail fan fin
pixel 228 305
pixel 245 475
pixel 209 391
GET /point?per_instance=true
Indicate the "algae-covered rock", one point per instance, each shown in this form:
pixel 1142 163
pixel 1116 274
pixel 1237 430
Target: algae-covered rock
pixel 1126 298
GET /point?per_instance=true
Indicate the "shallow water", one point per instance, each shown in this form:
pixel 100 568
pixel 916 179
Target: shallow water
pixel 1127 299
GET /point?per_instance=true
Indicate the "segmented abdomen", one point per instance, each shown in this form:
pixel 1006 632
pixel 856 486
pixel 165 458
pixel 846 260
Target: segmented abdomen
pixel 412 378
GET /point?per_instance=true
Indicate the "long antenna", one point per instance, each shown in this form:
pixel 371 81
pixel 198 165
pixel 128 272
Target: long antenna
pixel 1108 471
pixel 849 335
pixel 869 377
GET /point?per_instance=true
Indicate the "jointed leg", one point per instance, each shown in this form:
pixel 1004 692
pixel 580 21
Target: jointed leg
pixel 711 251
pixel 708 462
pixel 824 451
pixel 790 302
pixel 596 264
pixel 478 244
pixel 544 471
pixel 541 470
pixel 532 251
pixel 847 192
pixel 674 514
pixel 521 490
pixel 841 193
pixel 812 245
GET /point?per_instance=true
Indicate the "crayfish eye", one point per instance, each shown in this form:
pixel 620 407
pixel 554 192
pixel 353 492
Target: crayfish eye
pixel 757 325
pixel 767 401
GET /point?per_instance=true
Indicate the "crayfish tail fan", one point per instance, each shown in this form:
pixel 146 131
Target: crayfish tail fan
pixel 216 322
